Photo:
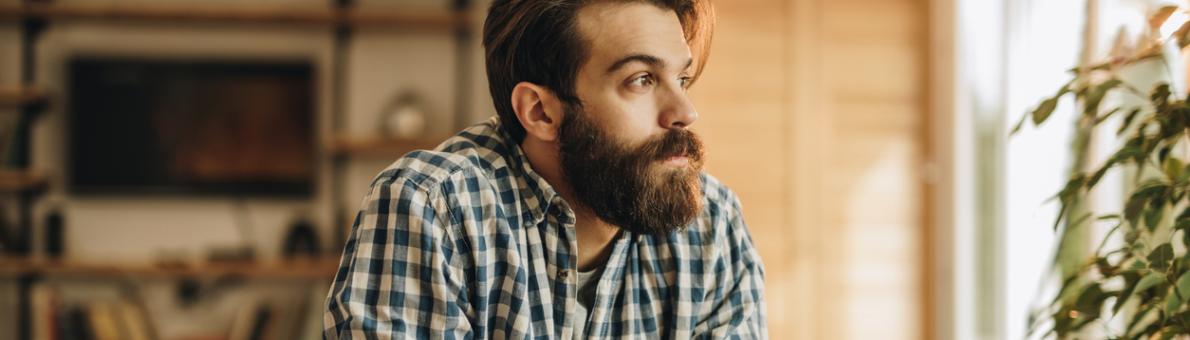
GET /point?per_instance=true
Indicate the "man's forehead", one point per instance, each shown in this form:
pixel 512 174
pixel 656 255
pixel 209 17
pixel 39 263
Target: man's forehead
pixel 615 30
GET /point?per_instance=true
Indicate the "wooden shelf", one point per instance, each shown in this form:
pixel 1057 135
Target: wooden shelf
pixel 408 18
pixel 382 147
pixel 313 269
pixel 18 181
pixel 18 96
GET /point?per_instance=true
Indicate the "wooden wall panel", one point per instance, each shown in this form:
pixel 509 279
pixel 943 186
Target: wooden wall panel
pixel 814 113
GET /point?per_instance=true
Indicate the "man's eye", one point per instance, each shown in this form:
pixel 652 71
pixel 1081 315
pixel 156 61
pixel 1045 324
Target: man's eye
pixel 642 81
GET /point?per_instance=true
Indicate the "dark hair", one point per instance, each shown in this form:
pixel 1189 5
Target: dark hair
pixel 537 41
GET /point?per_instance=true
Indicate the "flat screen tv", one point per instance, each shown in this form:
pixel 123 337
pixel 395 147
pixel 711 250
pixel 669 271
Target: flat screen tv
pixel 222 127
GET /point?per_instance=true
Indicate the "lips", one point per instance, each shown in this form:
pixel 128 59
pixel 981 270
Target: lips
pixel 677 161
pixel 680 151
pixel 676 147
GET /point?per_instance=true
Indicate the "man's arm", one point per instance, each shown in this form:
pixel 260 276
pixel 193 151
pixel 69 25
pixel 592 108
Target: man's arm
pixel 395 278
pixel 739 296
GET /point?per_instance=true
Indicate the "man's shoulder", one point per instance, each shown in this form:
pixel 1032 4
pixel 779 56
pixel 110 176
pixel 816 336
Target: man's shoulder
pixel 476 153
pixel 717 197
pixel 722 234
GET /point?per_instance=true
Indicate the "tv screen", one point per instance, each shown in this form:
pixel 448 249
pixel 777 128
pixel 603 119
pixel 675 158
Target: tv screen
pixel 183 127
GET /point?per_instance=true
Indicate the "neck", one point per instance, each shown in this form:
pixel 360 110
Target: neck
pixel 594 236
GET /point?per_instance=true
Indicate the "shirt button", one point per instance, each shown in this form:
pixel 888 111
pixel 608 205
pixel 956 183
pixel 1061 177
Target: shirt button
pixel 562 274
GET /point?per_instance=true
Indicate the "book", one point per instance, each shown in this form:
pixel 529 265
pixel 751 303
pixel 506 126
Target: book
pixel 251 322
pixel 105 323
pixel 311 326
pixel 43 307
pixel 134 320
pixel 73 324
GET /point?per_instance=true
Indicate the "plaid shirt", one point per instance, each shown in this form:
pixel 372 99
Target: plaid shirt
pixel 468 242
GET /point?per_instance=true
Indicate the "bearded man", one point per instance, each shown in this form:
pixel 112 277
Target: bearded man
pixel 580 211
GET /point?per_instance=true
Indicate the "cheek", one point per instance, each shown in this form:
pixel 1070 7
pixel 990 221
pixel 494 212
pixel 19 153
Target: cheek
pixel 629 118
pixel 631 123
pixel 623 127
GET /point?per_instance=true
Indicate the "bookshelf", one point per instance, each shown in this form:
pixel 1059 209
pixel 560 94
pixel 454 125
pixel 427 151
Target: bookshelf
pixel 126 317
pixel 21 96
pixel 341 17
pixel 288 15
pixel 16 181
pixel 301 269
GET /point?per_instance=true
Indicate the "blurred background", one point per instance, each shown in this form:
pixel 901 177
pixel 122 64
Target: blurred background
pixel 182 169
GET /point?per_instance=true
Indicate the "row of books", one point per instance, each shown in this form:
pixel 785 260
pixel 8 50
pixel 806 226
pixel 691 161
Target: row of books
pixel 128 319
pixel 105 320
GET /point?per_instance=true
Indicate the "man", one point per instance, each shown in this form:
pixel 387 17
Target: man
pixel 580 212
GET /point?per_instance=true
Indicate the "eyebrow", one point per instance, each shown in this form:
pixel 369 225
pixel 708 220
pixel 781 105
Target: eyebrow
pixel 652 61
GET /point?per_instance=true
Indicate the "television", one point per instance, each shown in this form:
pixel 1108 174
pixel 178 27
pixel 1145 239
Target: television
pixel 172 126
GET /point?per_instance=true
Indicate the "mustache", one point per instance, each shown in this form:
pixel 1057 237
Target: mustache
pixel 678 142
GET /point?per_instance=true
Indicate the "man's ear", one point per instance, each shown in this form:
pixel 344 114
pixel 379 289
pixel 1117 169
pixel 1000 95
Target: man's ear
pixel 538 109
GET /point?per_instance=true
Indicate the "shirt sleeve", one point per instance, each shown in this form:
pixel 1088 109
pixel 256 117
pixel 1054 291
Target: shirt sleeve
pixel 739 311
pixel 395 280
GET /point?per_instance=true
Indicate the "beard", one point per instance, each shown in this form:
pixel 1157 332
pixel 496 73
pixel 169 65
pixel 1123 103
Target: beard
pixel 629 186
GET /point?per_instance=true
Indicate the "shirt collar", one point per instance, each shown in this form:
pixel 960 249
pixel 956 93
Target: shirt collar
pixel 536 194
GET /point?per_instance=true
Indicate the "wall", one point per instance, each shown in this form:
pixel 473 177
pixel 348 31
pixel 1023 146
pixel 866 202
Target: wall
pixel 815 114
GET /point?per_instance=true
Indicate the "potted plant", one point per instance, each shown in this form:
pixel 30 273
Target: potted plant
pixel 1144 281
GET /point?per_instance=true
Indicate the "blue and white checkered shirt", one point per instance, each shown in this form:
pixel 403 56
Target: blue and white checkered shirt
pixel 468 242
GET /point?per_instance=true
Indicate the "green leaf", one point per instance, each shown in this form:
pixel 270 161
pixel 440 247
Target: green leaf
pixel 1160 97
pixel 1131 280
pixel 1172 301
pixel 1104 267
pixel 1181 292
pixel 1109 84
pixel 1151 188
pixel 1153 279
pixel 1099 175
pixel 1095 96
pixel 1153 216
pixel 1149 281
pixel 1058 220
pixel 1186 238
pixel 1089 305
pixel 1068 286
pixel 1150 193
pixel 1137 265
pixel 1079 221
pixel 1019 124
pixel 1097 67
pixel 1139 316
pixel 1132 209
pixel 1159 258
pixel 1044 110
pixel 1128 121
pixel 1068 195
pixel 1107 115
pixel 1174 168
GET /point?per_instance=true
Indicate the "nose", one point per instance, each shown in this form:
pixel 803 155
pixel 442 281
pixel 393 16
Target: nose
pixel 677 111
